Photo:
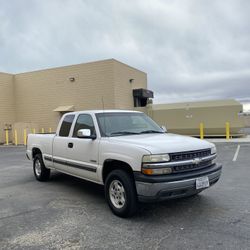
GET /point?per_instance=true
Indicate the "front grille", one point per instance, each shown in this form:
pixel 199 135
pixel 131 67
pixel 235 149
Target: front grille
pixel 183 156
pixel 189 167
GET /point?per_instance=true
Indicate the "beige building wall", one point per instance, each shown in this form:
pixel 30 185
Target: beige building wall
pixel 185 118
pixel 20 128
pixel 96 85
pixel 39 93
pixel 247 121
pixel 7 105
pixel 29 99
pixel 126 79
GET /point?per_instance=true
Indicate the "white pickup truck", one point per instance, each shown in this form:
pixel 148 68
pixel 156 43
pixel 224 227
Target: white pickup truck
pixel 128 153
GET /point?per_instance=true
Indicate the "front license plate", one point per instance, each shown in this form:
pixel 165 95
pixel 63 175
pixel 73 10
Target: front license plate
pixel 202 182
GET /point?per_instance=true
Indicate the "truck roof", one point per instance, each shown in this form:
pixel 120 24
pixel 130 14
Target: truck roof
pixel 104 111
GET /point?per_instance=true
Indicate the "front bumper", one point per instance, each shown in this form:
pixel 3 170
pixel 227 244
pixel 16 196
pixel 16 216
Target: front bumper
pixel 158 188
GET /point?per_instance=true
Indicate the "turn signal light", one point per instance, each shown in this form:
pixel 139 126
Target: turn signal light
pixel 156 171
pixel 147 171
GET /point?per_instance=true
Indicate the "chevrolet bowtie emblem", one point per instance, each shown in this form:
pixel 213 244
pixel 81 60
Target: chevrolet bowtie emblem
pixel 196 161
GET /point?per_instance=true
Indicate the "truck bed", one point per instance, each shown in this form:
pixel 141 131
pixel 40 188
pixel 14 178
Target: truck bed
pixel 43 141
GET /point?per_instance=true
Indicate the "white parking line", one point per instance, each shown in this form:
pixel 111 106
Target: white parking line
pixel 236 153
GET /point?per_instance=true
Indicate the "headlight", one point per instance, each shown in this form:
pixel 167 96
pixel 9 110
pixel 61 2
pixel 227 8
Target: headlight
pixel 152 164
pixel 156 158
pixel 213 150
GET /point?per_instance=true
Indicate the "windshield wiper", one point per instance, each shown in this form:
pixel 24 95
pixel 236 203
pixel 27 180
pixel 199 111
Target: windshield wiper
pixel 124 133
pixel 151 132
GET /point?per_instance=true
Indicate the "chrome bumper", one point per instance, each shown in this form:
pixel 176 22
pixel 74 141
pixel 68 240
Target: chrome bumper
pixel 181 186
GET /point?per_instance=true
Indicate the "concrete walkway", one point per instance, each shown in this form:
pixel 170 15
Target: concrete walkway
pixel 236 140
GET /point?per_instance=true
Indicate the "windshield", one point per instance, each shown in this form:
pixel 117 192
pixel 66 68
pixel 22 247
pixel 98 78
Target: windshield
pixel 119 124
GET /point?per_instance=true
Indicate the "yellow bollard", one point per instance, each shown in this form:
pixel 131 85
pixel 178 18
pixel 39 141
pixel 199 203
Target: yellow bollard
pixel 15 137
pixel 7 137
pixel 50 130
pixel 33 130
pixel 24 137
pixel 42 130
pixel 227 130
pixel 201 130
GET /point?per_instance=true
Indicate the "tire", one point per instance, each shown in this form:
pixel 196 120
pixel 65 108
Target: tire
pixel 120 193
pixel 40 171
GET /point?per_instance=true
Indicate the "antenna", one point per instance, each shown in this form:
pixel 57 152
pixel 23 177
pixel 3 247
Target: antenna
pixel 104 118
pixel 102 104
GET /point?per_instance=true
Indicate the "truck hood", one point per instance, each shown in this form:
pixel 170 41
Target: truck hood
pixel 163 143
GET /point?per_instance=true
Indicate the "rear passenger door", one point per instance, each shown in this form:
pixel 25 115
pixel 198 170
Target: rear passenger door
pixel 61 144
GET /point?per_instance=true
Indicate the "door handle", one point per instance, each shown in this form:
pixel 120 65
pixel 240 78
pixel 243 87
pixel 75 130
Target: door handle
pixel 70 145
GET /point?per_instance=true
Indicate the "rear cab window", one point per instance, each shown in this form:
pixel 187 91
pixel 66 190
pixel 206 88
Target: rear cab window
pixel 66 125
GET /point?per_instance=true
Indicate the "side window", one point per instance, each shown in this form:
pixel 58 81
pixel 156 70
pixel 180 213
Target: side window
pixel 66 125
pixel 84 122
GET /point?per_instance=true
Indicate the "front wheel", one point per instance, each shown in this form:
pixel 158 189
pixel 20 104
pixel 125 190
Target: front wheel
pixel 40 171
pixel 120 193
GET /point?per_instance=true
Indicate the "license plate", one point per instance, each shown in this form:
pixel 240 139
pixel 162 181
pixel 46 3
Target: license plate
pixel 202 182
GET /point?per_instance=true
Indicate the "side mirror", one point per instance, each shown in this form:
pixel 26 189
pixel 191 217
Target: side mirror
pixel 164 129
pixel 85 133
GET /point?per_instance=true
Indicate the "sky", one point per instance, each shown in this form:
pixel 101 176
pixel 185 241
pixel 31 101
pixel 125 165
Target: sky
pixel 191 50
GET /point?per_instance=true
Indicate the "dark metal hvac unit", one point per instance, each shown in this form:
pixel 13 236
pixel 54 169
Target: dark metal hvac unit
pixel 141 97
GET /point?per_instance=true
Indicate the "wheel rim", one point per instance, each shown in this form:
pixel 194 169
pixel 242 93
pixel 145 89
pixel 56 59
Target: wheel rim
pixel 38 168
pixel 117 194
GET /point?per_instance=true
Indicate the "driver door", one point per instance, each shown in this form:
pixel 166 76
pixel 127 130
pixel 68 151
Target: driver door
pixel 82 156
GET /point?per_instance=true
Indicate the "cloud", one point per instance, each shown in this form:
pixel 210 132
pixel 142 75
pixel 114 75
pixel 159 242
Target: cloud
pixel 191 50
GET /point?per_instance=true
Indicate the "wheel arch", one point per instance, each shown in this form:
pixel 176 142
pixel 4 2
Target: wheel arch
pixel 113 164
pixel 36 151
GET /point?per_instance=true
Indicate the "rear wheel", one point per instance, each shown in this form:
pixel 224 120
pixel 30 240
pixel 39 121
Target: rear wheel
pixel 40 171
pixel 120 193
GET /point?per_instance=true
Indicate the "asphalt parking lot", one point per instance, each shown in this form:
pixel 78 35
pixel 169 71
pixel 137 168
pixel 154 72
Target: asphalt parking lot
pixel 70 213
